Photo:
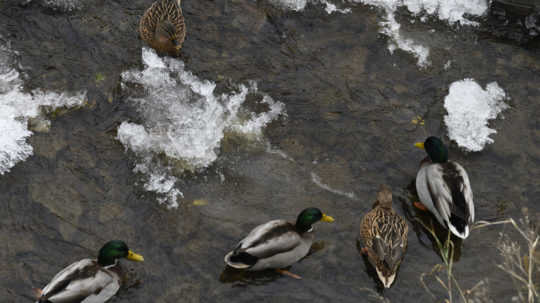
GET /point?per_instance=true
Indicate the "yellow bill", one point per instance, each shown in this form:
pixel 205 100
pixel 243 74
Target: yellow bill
pixel 419 145
pixel 327 218
pixel 134 257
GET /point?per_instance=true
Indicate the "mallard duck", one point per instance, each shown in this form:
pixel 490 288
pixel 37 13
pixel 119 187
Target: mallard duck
pixel 89 280
pixel 444 189
pixel 383 237
pixel 277 244
pixel 162 27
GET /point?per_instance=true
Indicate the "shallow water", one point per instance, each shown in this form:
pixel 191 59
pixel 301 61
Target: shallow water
pixel 349 106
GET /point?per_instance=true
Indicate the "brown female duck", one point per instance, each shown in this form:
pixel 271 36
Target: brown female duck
pixel 162 27
pixel 383 237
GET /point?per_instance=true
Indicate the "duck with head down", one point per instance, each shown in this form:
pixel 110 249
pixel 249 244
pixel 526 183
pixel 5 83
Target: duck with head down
pixel 163 28
pixel 383 237
pixel 89 280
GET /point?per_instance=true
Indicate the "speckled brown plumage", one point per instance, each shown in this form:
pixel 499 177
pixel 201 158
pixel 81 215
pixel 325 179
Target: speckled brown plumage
pixel 162 27
pixel 383 235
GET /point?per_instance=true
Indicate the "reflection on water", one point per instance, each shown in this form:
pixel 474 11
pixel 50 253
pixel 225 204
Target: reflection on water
pixel 430 233
pixel 243 277
pixel 427 227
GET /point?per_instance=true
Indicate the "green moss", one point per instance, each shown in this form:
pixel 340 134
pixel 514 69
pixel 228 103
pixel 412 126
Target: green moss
pixel 100 77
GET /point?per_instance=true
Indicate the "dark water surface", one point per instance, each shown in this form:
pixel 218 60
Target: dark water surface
pixel 349 105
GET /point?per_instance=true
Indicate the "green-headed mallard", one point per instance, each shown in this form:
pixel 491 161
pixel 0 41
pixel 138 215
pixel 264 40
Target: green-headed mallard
pixel 383 237
pixel 277 244
pixel 89 280
pixel 444 189
pixel 162 27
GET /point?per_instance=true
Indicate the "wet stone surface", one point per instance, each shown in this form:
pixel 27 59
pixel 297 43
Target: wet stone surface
pixel 349 106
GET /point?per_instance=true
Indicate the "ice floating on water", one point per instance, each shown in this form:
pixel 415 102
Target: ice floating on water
pixel 59 5
pixel 184 119
pixel 391 27
pixel 299 5
pixel 16 107
pixel 452 11
pixel 317 180
pixel 295 5
pixel 332 8
pixel 469 108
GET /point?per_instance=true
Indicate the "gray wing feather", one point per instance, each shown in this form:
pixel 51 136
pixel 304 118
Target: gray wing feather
pixel 65 273
pixel 256 245
pixel 433 191
pixel 95 289
pixel 111 286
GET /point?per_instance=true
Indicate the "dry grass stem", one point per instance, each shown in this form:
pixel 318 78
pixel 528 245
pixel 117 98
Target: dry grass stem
pixel 521 268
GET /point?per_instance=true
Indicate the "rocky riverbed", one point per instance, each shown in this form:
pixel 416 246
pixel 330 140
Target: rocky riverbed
pixel 352 112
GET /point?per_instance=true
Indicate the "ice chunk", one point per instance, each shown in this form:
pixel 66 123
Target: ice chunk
pixel 63 5
pixel 332 8
pixel 453 11
pixel 299 5
pixel 183 119
pixel 295 5
pixel 469 108
pixel 17 106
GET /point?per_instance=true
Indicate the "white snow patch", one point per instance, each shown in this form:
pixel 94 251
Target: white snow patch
pixel 184 120
pixel 17 107
pixel 469 108
pixel 317 180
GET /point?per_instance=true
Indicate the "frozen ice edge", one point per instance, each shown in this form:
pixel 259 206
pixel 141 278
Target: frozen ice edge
pixel 451 11
pixel 17 107
pixel 184 120
pixel 469 110
pixel 300 5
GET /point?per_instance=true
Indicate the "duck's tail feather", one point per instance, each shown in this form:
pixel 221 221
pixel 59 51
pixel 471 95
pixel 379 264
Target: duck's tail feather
pixel 459 229
pixel 240 260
